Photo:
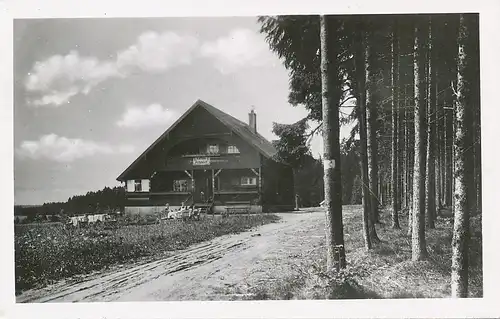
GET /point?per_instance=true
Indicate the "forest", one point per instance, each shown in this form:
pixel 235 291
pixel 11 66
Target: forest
pixel 105 200
pixel 415 83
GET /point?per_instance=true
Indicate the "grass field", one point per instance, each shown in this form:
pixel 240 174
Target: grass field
pixel 386 271
pixel 46 253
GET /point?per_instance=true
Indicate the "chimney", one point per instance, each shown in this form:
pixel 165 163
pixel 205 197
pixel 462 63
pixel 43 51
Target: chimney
pixel 252 121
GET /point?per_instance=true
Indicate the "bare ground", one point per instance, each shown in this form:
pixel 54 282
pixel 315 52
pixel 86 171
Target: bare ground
pixel 226 268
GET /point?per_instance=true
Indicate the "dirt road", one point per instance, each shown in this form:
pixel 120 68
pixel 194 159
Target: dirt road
pixel 225 268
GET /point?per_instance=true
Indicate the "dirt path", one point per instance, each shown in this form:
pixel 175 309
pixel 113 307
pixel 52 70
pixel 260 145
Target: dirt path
pixel 225 268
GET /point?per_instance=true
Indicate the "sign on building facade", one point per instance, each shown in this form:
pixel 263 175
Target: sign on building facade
pixel 201 161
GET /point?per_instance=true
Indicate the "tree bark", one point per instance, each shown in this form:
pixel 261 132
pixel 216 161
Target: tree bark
pixel 437 143
pixel 371 133
pixel 395 125
pixel 401 152
pixel 430 188
pixel 330 98
pixel 475 171
pixel 408 165
pixel 404 173
pixel 476 97
pixel 453 159
pixel 418 221
pixel 462 164
pixel 360 74
pixel 379 189
pixel 411 163
pixel 447 151
pixel 443 164
pixel 477 144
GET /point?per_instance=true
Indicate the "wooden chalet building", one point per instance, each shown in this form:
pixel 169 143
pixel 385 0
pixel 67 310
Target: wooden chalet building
pixel 210 159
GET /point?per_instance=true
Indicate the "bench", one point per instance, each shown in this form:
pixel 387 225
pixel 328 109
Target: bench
pixel 237 209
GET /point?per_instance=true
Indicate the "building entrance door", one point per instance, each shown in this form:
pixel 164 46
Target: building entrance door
pixel 203 185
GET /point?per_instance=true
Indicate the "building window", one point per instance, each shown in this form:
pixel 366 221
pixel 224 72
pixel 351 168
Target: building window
pixel 180 185
pixel 213 149
pixel 138 185
pixel 231 149
pixel 130 186
pixel 145 185
pixel 248 181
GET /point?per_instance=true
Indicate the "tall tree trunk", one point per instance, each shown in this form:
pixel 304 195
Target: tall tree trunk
pixel 418 221
pixel 453 159
pixel 330 93
pixel 475 171
pixel 437 150
pixel 477 141
pixel 411 160
pixel 379 189
pixel 360 74
pixel 447 175
pixel 401 155
pixel 404 173
pixel 442 123
pixel 400 168
pixel 371 132
pixel 395 125
pixel 462 162
pixel 295 193
pixel 443 153
pixel 430 188
pixel 408 165
pixel 476 97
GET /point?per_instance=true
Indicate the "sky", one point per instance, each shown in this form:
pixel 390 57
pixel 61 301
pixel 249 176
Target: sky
pixel 90 95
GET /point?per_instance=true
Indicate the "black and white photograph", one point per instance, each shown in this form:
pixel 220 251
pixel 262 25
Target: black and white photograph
pixel 260 157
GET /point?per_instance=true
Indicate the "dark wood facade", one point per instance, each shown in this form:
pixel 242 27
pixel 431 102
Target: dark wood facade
pixel 210 157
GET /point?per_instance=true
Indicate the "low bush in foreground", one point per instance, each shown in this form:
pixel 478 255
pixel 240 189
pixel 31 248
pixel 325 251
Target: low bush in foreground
pixel 47 254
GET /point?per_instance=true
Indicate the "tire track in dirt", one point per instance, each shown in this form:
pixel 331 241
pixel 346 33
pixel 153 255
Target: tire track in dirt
pixel 198 272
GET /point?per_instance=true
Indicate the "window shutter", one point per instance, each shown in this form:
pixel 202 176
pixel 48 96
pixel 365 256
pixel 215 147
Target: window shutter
pixel 130 186
pixel 145 185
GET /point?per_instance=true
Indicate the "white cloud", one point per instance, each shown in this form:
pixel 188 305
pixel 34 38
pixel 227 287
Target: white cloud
pixel 56 98
pixel 152 115
pixel 241 48
pixel 61 77
pixel 156 52
pixel 64 150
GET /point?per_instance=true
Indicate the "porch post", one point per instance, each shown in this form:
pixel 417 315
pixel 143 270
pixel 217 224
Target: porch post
pixel 213 184
pixel 260 190
pixel 192 184
pixel 260 180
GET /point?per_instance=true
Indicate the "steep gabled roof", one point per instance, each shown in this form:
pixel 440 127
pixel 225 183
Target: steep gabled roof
pixel 240 128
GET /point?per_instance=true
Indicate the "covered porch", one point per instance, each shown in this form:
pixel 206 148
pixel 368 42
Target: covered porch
pixel 207 186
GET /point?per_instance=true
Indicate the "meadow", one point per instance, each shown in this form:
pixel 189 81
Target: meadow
pixel 45 253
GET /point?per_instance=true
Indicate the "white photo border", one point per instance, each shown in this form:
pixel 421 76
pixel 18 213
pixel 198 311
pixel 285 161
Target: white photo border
pixel 485 307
